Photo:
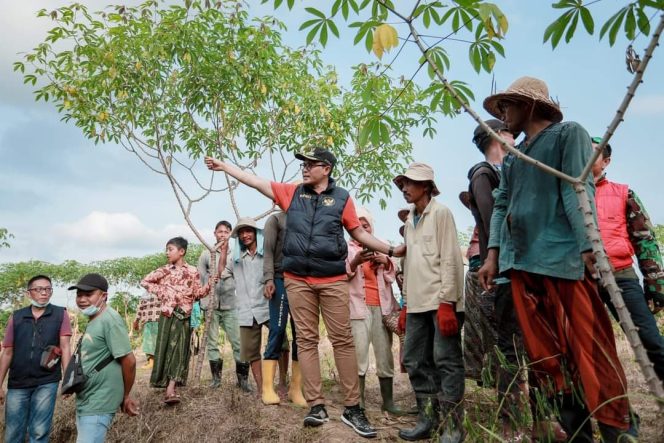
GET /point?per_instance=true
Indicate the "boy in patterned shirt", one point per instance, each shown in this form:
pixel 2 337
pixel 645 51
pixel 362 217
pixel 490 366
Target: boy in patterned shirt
pixel 177 286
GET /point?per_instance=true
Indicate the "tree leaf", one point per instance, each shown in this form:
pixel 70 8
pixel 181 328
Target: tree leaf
pixel 643 22
pixel 587 19
pixel 315 12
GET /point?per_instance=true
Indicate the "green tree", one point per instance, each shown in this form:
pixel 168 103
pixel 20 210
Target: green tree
pixel 659 233
pixel 4 238
pixel 123 272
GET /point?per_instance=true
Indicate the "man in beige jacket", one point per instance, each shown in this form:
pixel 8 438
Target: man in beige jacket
pixel 432 315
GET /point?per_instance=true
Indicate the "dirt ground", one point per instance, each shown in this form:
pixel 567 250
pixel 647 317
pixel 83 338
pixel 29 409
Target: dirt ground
pixel 226 415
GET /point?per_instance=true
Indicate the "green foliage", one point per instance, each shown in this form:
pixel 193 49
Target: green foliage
pixel 659 234
pixel 172 84
pixel 631 18
pixel 4 237
pixel 127 271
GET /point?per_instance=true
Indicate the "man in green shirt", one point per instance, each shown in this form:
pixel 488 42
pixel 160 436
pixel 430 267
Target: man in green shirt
pixel 537 239
pixel 108 385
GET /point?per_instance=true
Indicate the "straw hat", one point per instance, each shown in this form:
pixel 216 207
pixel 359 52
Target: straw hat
pixel 526 89
pixel 419 172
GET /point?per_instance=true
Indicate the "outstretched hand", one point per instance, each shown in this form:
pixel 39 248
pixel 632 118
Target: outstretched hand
pixel 214 164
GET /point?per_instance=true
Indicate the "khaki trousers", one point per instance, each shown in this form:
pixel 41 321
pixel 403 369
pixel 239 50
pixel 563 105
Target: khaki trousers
pixel 371 331
pixel 331 300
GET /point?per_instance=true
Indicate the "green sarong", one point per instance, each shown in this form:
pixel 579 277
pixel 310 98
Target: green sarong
pixel 171 358
pixel 150 330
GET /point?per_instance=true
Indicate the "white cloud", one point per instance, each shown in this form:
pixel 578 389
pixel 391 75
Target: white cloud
pixel 101 235
pixel 648 105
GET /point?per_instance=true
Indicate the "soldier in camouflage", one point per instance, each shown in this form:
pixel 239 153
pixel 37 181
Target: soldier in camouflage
pixel 626 231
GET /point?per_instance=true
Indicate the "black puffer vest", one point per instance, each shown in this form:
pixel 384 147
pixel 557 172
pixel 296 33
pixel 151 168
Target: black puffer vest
pixel 31 337
pixel 314 243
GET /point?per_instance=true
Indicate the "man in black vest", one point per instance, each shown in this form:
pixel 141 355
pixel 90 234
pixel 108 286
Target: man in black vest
pixel 40 334
pixel 315 274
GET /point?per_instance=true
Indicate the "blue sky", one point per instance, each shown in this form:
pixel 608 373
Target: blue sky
pixel 64 198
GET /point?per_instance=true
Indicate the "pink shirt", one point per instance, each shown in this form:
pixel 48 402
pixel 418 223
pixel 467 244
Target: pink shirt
pixel 384 276
pixel 8 341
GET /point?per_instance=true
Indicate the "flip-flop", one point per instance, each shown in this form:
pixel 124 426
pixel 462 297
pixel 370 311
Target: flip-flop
pixel 172 399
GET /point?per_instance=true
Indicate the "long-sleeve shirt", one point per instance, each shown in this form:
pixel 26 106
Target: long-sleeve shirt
pixel 385 276
pixel 251 303
pixel 536 221
pixel 433 267
pixel 273 245
pixel 644 241
pixel 225 287
pixel 175 287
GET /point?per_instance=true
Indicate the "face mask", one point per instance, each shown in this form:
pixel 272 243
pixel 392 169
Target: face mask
pixel 36 304
pixel 91 310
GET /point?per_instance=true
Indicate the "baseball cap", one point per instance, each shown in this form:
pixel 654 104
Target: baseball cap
pixel 480 136
pixel 320 155
pixel 90 282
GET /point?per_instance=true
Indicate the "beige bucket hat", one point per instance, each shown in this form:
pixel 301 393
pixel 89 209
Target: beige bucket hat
pixel 244 222
pixel 419 172
pixel 526 89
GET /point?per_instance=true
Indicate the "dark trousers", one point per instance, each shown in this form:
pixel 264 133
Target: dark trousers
pixel 509 344
pixel 435 363
pixel 278 320
pixel 643 319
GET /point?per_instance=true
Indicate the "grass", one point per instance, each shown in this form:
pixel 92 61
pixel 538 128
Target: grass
pixel 227 415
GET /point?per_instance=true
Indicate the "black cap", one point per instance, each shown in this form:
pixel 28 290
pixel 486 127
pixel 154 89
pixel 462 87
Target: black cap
pixel 319 154
pixel 480 136
pixel 90 282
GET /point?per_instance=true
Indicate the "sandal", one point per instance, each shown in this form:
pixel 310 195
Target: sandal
pixel 172 399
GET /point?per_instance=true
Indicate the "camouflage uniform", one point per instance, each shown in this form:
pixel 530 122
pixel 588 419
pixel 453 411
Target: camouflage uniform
pixel 642 237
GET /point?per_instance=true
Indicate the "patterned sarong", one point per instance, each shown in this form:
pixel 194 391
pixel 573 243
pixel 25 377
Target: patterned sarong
pixel 171 359
pixel 566 330
pixel 479 332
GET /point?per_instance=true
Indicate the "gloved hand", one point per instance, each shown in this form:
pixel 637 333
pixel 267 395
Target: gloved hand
pixel 447 321
pixel 402 320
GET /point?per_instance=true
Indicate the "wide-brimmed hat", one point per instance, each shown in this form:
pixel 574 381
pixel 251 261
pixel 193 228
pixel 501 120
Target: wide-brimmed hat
pixel 403 214
pixel 90 282
pixel 526 89
pixel 419 172
pixel 244 222
pixel 464 198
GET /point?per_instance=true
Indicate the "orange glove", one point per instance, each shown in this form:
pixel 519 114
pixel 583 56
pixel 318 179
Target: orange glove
pixel 447 321
pixel 402 320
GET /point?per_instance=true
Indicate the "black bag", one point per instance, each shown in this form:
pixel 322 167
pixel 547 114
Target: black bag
pixel 74 379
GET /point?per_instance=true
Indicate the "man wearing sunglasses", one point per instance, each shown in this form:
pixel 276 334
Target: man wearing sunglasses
pixel 626 231
pixel 314 265
pixel 35 348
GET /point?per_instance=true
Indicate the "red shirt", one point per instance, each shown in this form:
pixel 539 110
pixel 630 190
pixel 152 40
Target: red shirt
pixel 283 195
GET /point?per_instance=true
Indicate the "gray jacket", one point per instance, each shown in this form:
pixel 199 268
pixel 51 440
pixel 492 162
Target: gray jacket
pixel 225 287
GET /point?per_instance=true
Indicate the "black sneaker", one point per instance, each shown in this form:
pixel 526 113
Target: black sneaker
pixel 316 416
pixel 354 417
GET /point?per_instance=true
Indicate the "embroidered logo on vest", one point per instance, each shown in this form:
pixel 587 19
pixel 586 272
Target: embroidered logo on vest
pixel 328 201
